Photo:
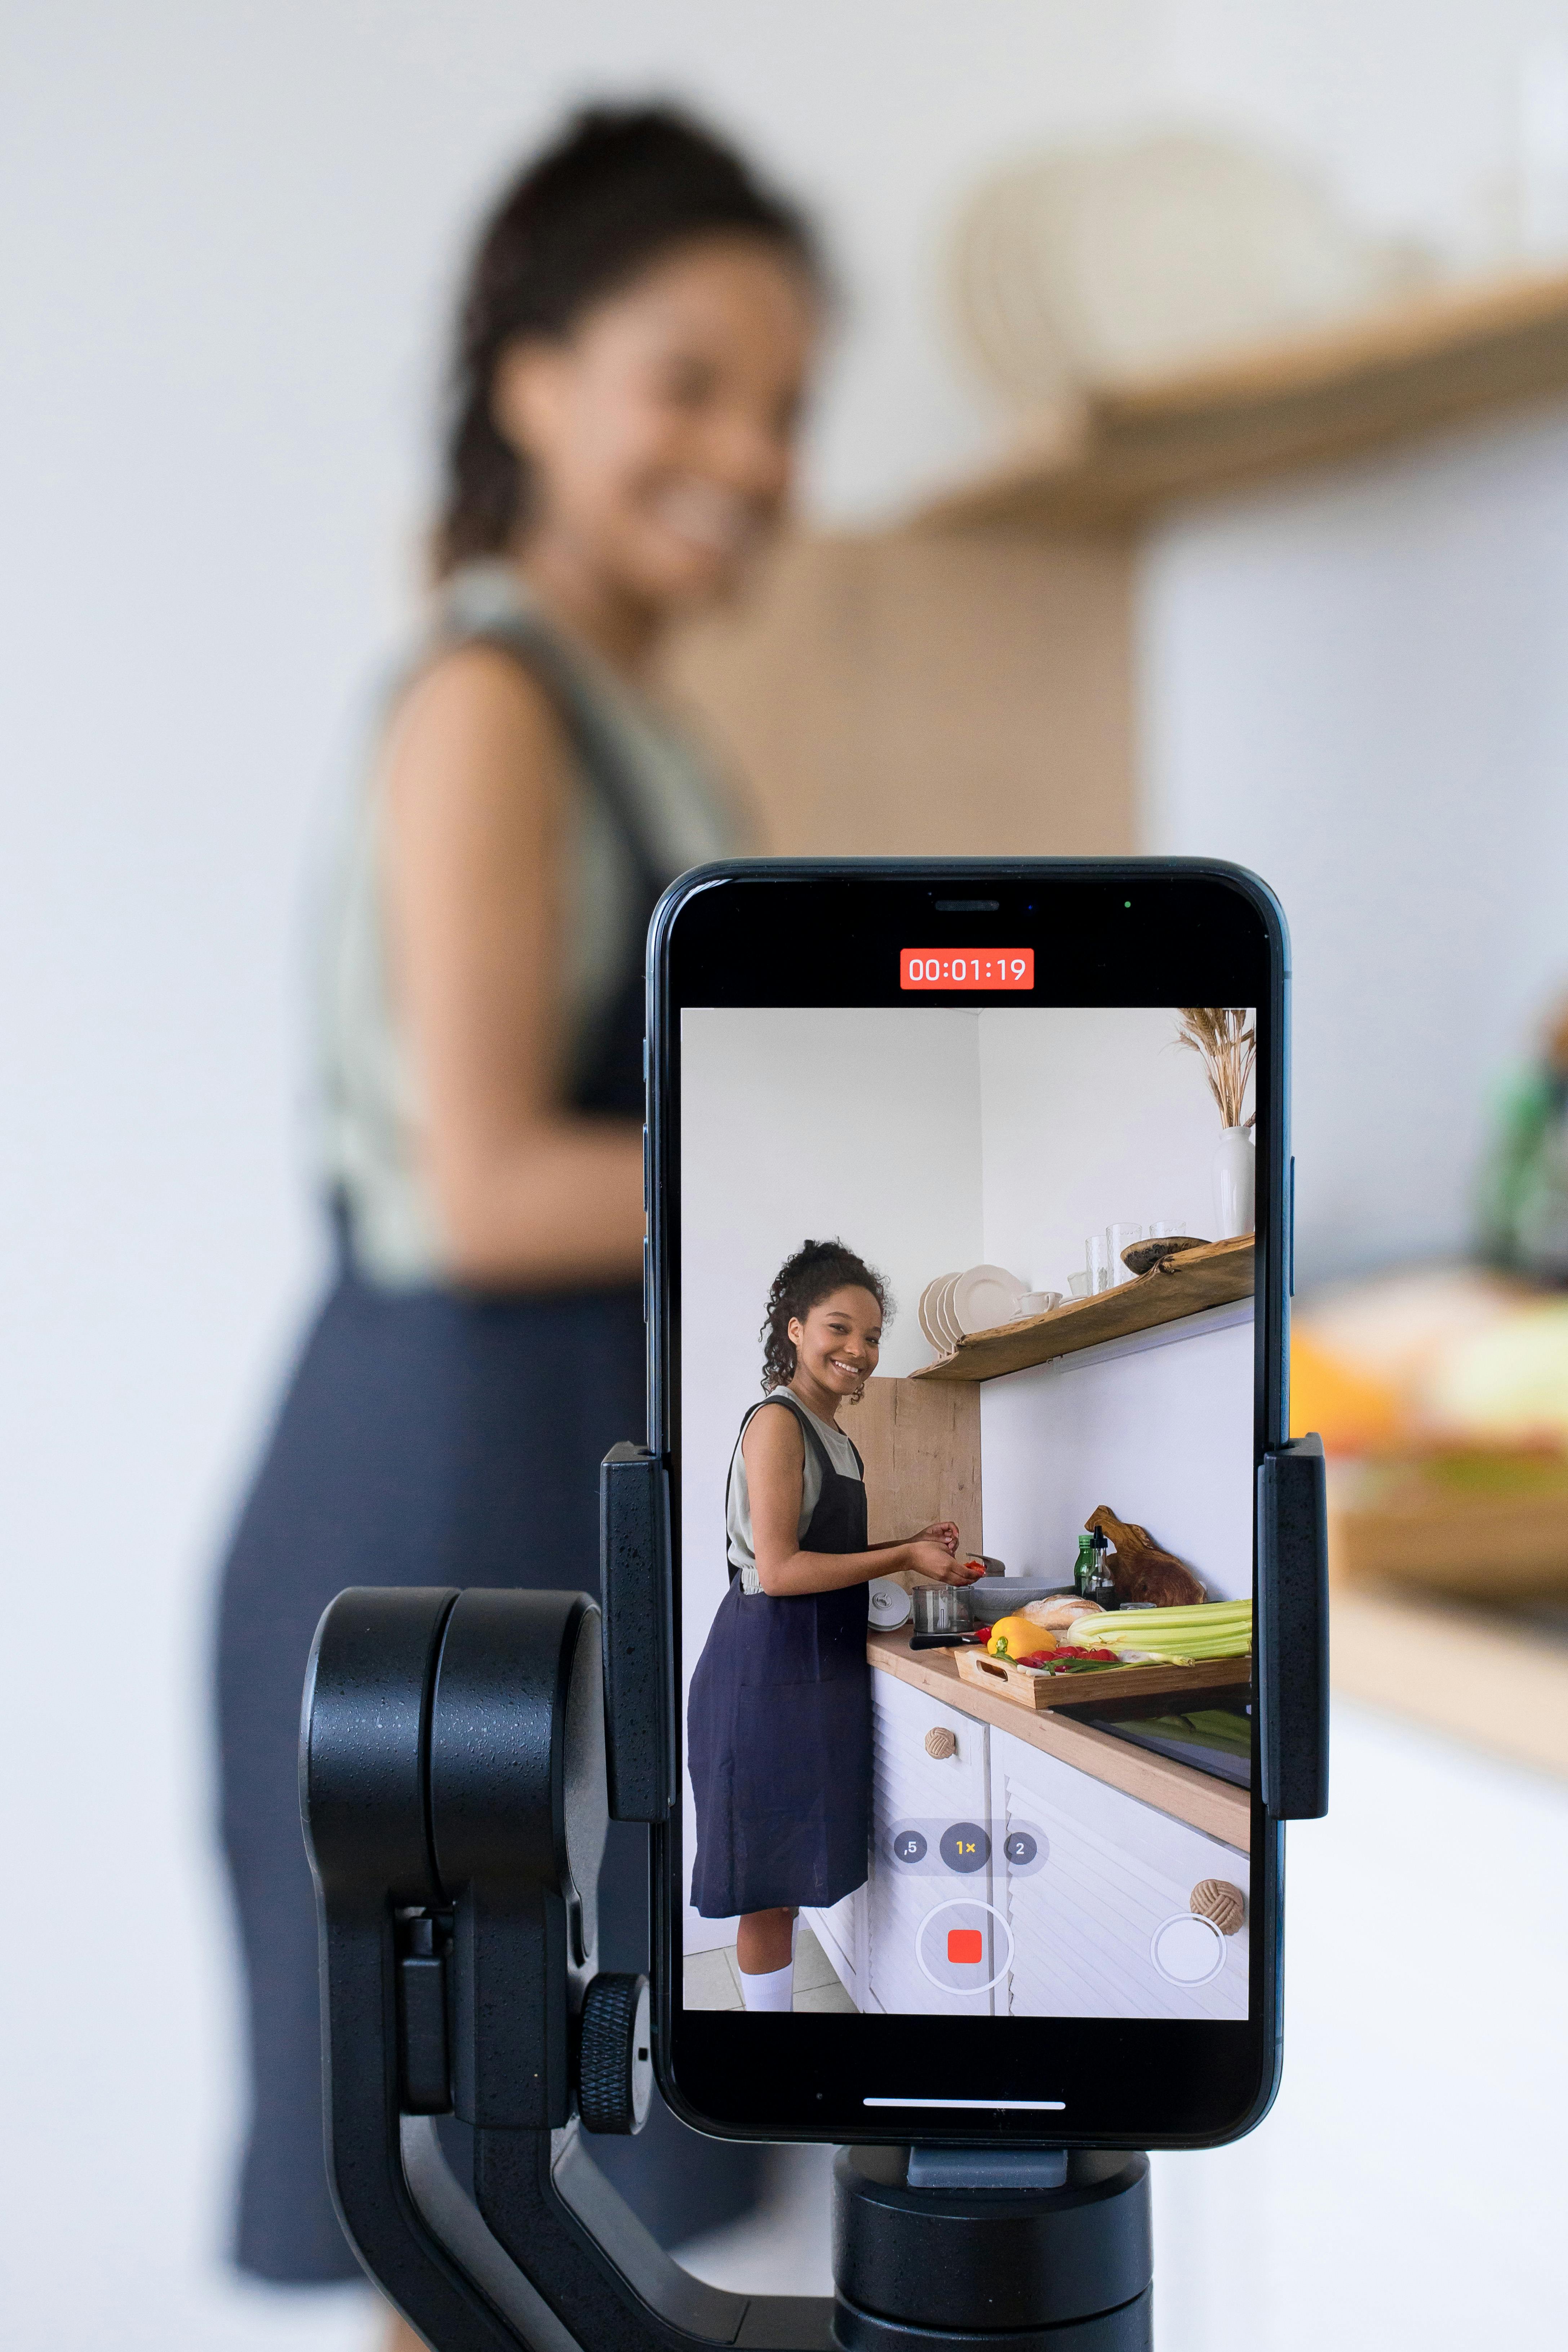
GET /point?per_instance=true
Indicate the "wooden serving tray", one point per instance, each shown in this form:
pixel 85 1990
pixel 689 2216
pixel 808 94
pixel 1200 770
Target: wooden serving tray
pixel 1003 1679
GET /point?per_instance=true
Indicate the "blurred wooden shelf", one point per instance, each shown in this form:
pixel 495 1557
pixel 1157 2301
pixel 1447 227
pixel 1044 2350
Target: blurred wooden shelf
pixel 1447 356
pixel 1216 1274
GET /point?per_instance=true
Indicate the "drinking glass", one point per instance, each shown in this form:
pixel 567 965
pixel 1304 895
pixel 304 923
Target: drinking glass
pixel 1097 1263
pixel 1117 1239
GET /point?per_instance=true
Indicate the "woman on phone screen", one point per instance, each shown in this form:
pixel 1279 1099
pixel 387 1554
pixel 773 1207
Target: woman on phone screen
pixel 635 338
pixel 779 1720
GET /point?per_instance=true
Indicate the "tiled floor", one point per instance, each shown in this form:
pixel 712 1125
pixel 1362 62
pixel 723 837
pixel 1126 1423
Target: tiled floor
pixel 712 1980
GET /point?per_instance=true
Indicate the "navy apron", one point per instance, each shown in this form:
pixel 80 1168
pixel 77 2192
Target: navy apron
pixel 431 1436
pixel 779 1728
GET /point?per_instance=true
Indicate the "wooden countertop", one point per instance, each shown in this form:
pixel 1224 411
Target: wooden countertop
pixel 1215 1807
pixel 1465 1672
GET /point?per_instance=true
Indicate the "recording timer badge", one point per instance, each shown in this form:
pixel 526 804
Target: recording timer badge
pixel 970 968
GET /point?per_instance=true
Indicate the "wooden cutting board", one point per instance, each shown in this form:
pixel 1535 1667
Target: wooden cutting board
pixel 1003 1679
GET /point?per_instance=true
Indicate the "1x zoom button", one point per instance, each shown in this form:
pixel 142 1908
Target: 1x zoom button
pixel 964 1846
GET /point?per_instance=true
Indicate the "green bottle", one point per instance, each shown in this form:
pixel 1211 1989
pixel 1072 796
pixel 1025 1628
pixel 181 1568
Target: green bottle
pixel 1083 1566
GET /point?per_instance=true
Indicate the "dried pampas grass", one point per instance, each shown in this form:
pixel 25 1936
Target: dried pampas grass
pixel 1226 1044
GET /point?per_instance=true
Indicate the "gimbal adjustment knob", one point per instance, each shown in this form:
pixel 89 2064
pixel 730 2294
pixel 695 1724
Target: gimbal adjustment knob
pixel 615 2055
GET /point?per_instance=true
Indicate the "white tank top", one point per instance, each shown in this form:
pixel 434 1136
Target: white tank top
pixel 738 1501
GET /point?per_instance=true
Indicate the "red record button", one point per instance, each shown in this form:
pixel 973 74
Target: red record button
pixel 950 968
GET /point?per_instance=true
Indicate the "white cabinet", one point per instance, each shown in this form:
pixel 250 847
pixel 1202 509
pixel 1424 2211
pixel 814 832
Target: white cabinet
pixel 1096 1922
pixel 1101 1920
pixel 926 1796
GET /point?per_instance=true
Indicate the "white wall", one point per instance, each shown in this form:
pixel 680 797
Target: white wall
pixel 1092 1118
pixel 1359 687
pixel 859 1126
pixel 1162 1435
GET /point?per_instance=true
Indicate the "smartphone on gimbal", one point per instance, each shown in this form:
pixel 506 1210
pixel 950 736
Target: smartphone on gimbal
pixel 969 1207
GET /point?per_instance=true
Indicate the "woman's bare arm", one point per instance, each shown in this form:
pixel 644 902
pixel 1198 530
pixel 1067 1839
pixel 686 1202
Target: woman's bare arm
pixel 475 784
pixel 774 1450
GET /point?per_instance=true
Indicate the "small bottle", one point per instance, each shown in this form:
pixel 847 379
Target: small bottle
pixel 1101 1586
pixel 1083 1565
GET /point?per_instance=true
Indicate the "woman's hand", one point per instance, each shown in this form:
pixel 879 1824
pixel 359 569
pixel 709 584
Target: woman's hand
pixel 933 1560
pixel 941 1531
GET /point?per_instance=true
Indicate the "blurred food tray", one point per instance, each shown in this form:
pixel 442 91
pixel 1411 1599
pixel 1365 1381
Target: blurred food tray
pixel 1481 1527
pixel 1472 1674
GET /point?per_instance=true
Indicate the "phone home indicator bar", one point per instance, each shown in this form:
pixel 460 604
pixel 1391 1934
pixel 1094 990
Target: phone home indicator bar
pixel 944 969
pixel 1033 2107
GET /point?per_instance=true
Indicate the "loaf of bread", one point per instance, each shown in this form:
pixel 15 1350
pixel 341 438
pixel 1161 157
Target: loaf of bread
pixel 1056 1616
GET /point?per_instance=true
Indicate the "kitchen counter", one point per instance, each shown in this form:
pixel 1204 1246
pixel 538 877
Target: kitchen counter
pixel 1215 1807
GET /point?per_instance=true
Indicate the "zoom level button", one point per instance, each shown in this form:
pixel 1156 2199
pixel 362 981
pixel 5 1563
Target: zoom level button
pixel 965 1846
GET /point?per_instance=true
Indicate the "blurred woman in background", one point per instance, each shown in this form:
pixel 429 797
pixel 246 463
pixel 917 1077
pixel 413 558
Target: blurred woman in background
pixel 634 339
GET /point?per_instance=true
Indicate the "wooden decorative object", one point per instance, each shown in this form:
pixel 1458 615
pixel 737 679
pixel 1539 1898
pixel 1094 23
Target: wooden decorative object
pixel 1141 1570
pixel 1217 1900
pixel 940 1742
pixel 1142 1257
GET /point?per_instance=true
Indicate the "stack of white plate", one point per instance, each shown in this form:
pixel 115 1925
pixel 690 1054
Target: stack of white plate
pixel 955 1305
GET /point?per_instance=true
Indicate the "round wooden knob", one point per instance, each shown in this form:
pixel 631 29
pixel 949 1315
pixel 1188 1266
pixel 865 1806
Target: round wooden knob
pixel 1217 1900
pixel 940 1741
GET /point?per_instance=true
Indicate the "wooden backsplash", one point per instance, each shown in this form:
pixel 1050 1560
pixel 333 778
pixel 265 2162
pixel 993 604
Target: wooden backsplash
pixel 920 1443
pixel 886 694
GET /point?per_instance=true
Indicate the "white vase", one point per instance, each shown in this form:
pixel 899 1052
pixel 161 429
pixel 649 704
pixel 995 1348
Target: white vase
pixel 1235 1174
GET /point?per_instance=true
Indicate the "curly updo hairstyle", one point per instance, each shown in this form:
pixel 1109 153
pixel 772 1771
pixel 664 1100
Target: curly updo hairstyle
pixel 617 190
pixel 815 1271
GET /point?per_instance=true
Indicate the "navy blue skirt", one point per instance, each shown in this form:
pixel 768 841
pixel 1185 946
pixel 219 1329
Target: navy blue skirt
pixel 779 1747
pixel 425 1438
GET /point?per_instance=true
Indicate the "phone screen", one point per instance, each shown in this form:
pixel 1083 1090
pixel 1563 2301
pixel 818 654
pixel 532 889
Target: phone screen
pixel 968 1272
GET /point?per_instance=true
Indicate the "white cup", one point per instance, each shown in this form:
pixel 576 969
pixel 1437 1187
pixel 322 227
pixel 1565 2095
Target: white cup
pixel 1037 1302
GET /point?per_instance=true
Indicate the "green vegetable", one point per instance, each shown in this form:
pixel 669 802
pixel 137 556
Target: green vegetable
pixel 1210 1629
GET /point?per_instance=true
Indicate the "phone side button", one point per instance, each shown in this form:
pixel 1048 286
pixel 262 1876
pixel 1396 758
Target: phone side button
pixel 1290 1234
pixel 645 1171
pixel 647 1281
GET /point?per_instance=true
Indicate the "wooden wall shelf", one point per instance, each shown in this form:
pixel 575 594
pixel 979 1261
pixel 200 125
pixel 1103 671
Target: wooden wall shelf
pixel 1122 453
pixel 1217 1275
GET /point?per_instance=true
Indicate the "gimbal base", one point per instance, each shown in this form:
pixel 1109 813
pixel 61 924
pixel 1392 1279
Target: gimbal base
pixel 453 1782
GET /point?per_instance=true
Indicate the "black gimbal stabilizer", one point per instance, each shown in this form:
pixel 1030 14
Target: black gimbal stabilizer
pixel 457 1773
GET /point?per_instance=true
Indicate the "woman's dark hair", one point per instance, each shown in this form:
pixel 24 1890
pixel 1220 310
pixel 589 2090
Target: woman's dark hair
pixel 616 191
pixel 815 1271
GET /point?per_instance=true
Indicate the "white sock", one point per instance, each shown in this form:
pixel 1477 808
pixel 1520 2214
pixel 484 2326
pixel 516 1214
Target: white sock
pixel 774 1989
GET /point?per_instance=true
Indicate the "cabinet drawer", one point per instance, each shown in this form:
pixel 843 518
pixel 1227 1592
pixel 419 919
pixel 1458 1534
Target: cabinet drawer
pixel 1087 1920
pixel 911 1786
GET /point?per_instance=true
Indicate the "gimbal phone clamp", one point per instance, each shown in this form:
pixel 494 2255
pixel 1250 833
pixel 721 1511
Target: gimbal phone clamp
pixel 457 1782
